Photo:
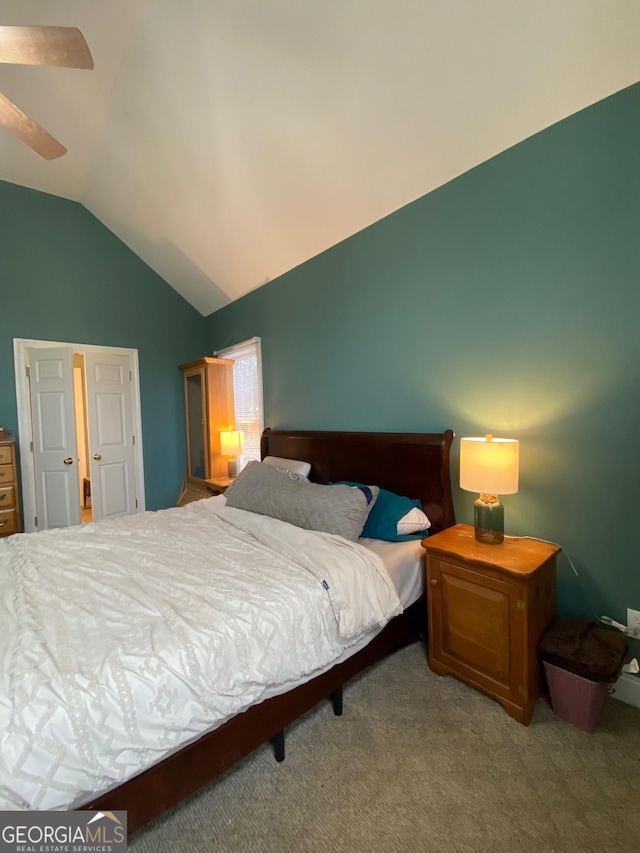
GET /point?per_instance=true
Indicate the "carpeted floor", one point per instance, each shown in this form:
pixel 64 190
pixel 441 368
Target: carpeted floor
pixel 421 763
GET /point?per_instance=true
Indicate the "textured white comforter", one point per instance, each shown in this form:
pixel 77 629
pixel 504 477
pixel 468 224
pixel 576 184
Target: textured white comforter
pixel 121 640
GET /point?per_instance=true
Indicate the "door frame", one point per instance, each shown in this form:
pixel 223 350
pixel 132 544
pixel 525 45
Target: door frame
pixel 25 425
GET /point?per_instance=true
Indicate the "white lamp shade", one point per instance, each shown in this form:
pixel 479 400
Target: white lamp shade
pixel 231 443
pixel 489 465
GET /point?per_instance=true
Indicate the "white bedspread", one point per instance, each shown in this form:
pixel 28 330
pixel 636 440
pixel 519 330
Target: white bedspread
pixel 124 639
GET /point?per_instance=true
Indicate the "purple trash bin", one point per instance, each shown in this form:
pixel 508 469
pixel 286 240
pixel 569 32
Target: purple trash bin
pixel 580 661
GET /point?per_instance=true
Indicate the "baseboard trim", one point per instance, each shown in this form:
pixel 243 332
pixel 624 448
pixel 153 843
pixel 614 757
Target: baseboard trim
pixel 627 689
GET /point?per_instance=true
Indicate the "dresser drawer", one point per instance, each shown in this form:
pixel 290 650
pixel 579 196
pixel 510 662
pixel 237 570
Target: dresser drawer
pixel 9 522
pixel 6 454
pixel 6 475
pixel 7 497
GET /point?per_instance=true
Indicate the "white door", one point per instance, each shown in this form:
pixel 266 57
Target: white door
pixel 54 437
pixel 111 442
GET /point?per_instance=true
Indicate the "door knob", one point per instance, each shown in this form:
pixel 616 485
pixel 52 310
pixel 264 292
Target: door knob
pixel 97 456
pixel 68 461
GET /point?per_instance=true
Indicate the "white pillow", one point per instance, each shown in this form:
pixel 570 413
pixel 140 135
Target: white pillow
pixel 413 522
pixel 294 465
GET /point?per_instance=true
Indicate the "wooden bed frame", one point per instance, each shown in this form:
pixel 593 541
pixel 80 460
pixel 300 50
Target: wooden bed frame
pixel 411 464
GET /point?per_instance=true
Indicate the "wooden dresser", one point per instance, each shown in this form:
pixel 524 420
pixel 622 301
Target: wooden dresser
pixel 9 512
pixel 489 606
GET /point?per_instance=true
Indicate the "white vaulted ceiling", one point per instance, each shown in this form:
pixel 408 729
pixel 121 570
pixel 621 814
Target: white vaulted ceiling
pixel 227 141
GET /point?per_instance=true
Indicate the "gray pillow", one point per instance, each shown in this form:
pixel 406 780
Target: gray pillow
pixel 292 475
pixel 341 510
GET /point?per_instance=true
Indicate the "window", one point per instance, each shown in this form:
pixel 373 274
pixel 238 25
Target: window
pixel 247 393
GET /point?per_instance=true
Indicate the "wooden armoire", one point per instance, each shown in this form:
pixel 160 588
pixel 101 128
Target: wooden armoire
pixel 208 402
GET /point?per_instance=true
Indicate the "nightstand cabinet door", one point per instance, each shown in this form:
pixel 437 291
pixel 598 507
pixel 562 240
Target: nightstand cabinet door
pixel 476 628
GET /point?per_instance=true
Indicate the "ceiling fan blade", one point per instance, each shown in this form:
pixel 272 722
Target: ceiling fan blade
pixel 62 46
pixel 29 131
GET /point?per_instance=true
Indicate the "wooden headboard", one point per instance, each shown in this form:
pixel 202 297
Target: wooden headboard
pixel 415 465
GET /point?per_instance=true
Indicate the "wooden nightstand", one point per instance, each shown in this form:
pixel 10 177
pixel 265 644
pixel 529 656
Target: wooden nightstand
pixel 219 485
pixel 196 490
pixel 488 606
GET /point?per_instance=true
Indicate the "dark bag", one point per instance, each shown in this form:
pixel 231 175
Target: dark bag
pixel 578 646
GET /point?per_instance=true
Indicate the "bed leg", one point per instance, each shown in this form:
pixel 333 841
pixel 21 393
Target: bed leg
pixel 336 701
pixel 277 742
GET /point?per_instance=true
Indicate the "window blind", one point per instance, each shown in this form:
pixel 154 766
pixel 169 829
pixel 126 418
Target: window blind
pixel 247 394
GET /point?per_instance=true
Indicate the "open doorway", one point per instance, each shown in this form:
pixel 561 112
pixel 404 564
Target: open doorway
pixel 80 433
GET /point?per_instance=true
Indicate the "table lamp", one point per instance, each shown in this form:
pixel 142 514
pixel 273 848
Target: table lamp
pixel 490 466
pixel 231 445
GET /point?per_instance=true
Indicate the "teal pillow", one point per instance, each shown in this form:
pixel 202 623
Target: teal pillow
pixel 383 518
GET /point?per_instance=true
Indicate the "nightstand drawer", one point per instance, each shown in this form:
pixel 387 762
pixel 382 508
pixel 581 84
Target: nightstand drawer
pixel 6 475
pixel 6 454
pixel 7 497
pixel 9 522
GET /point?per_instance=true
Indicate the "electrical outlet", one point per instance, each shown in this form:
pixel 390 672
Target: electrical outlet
pixel 633 621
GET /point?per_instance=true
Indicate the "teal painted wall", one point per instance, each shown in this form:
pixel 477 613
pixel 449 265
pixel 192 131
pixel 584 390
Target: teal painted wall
pixel 65 277
pixel 506 301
